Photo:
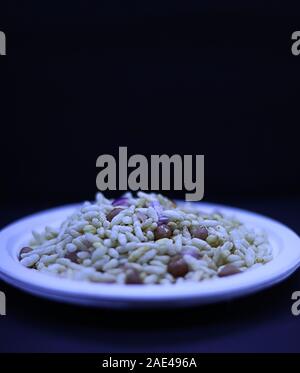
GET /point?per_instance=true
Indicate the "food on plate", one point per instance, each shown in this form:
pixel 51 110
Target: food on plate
pixel 146 239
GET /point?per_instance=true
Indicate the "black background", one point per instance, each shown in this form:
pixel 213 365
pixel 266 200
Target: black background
pixel 214 78
pixel 211 78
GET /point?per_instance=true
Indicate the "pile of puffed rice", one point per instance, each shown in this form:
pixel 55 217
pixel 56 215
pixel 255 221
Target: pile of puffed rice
pixel 145 240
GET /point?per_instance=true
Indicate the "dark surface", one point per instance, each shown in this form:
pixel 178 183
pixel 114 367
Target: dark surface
pixel 257 323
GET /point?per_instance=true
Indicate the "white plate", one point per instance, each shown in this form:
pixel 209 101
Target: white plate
pixel 285 243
